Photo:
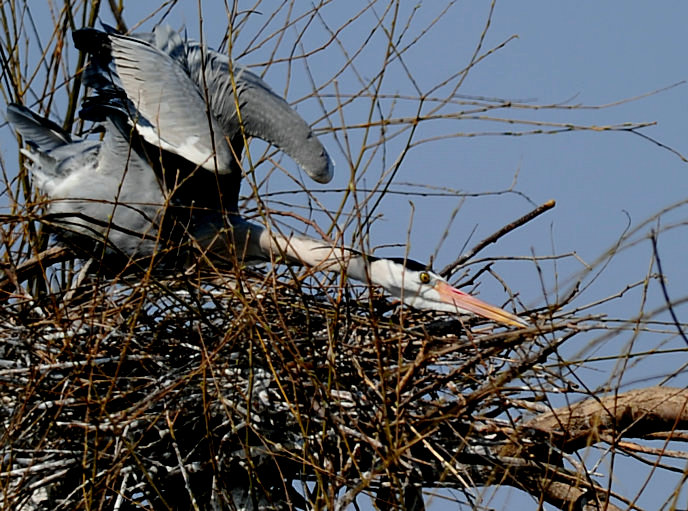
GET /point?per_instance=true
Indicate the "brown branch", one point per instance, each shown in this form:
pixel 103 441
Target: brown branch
pixel 550 483
pixel 634 414
pixel 451 267
pixel 637 413
pixel 570 496
pixel 565 491
pixel 32 267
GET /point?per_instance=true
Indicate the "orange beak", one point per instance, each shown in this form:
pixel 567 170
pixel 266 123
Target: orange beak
pixel 466 303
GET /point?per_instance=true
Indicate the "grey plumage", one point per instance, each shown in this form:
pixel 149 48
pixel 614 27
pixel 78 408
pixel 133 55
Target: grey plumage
pixel 38 130
pixel 164 79
pixel 100 190
pixel 107 192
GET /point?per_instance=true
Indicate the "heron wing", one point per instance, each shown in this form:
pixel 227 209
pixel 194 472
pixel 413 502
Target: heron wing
pixel 173 113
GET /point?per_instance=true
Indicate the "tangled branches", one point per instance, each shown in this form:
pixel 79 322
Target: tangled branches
pixel 247 392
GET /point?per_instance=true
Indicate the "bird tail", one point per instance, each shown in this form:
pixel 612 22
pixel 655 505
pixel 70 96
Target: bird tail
pixel 40 131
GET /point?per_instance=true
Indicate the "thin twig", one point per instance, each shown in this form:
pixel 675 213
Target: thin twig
pixel 653 237
pixel 33 266
pixel 448 270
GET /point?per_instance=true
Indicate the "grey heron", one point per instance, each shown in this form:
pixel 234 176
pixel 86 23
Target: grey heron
pixel 191 101
pixel 107 191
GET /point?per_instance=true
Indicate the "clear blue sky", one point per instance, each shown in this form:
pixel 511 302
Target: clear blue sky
pixel 588 53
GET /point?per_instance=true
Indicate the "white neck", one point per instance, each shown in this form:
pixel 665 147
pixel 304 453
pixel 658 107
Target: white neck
pixel 256 242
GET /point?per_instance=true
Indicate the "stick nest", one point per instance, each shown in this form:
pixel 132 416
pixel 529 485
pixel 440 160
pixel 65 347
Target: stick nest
pixel 245 391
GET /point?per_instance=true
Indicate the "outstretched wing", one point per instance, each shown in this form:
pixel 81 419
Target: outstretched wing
pixel 170 110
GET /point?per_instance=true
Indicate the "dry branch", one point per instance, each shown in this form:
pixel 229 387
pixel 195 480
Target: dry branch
pixel 633 414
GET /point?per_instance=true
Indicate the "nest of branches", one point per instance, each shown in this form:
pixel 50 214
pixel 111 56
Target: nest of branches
pixel 246 390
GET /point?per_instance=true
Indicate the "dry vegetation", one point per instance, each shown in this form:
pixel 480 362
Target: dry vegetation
pixel 259 389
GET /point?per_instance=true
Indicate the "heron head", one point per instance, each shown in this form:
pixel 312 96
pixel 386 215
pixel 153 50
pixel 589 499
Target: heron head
pixel 418 286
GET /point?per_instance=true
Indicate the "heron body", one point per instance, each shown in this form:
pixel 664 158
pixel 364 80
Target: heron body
pixel 102 190
pixel 114 192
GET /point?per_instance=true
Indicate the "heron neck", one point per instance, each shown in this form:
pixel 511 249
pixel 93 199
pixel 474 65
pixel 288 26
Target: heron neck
pixel 254 241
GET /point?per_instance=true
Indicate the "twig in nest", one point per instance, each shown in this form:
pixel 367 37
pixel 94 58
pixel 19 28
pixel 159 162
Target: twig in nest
pixel 34 266
pixel 448 270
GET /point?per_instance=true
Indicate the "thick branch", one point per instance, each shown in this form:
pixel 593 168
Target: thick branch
pixel 633 414
pixel 637 413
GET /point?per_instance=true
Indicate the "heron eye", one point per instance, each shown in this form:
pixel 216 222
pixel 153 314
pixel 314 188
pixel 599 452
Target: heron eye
pixel 424 277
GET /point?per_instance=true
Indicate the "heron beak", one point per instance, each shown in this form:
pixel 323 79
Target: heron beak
pixel 467 303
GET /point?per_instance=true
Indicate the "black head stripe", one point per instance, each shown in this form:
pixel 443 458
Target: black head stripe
pixel 410 264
